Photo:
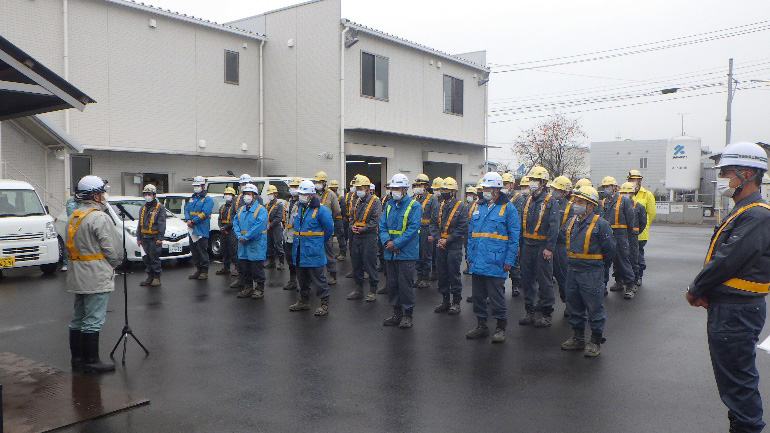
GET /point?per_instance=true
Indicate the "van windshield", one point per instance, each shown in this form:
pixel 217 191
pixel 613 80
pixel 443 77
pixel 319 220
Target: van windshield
pixel 20 202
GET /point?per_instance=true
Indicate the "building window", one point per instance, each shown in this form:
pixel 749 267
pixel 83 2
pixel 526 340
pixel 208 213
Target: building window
pixel 453 95
pixel 642 162
pixel 374 76
pixel 232 75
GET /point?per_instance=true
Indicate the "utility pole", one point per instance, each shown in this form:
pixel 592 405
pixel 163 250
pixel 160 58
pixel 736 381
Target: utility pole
pixel 682 116
pixel 729 119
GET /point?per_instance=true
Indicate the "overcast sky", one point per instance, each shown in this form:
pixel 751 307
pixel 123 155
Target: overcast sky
pixel 513 32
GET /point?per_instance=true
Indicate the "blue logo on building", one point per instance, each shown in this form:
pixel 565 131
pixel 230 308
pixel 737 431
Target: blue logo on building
pixel 678 150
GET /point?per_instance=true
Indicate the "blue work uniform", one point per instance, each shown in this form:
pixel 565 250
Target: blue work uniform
pixel 451 224
pixel 313 227
pixel 634 254
pixel 400 223
pixel 539 230
pixel 250 227
pixel 619 212
pixel 198 210
pixel 564 207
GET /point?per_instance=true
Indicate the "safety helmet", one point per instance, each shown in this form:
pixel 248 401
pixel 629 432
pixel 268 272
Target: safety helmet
pixel 295 181
pixel 353 181
pixel 199 181
pixel 508 177
pixel 524 181
pixel 561 183
pixel 583 182
pixel 743 154
pixel 421 178
pixel 538 173
pixel 449 183
pixel 90 184
pixel 492 180
pixel 229 190
pixel 362 180
pixel 399 180
pixel 250 188
pixel 588 193
pixel 609 181
pixel 150 189
pixel 628 187
pixel 634 174
pixel 334 184
pixel 470 189
pixel 306 187
pixel 271 189
pixel 245 178
pixel 320 177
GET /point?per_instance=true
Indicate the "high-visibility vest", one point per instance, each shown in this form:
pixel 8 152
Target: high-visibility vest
pixel 362 221
pixel 445 232
pixel 406 216
pixel 425 202
pixel 74 224
pixel 586 241
pixel 228 215
pixel 566 212
pixel 616 223
pixel 153 214
pixel 533 234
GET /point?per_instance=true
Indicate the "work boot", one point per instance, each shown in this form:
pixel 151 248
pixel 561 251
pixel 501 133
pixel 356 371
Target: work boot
pixel 638 281
pixel 630 292
pixel 270 263
pixel 224 271
pixel 480 331
pixel 422 282
pixel 292 284
pixel 147 281
pixel 234 273
pixel 371 297
pixel 544 321
pixel 358 293
pixel 76 350
pixel 499 335
pixel 406 319
pixel 332 280
pixel 349 275
pixel 195 275
pixel 237 284
pixel 395 319
pixel 529 316
pixel 515 286
pixel 433 276
pixel 382 290
pixel 455 308
pixel 592 347
pixel 618 286
pixel 204 275
pixel 247 291
pixel 259 291
pixel 443 307
pixel 469 299
pixel 341 256
pixel 577 342
pixel 566 313
pixel 92 362
pixel 323 309
pixel 302 304
pixel 155 280
pixel 280 263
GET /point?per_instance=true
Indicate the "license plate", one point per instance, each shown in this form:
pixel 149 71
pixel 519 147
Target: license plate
pixel 7 262
pixel 175 248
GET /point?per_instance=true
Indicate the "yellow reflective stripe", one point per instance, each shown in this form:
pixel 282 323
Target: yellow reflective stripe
pixel 747 286
pixel 586 241
pixel 326 193
pixel 73 254
pixel 314 212
pixel 406 216
pixel 362 221
pixel 309 233
pixel 87 257
pixel 338 217
pixel 473 208
pixel 425 202
pixel 502 209
pixel 270 209
pixel 490 236
pixel 727 221
pixel 445 234
pixel 228 214
pixel 566 212
pixel 534 234
pixel 243 233
pixel 149 230
pixel 198 214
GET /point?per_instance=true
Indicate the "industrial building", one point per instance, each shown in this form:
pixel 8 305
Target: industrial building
pixel 287 92
pixel 617 158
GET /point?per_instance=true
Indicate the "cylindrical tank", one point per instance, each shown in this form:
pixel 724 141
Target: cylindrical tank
pixel 683 163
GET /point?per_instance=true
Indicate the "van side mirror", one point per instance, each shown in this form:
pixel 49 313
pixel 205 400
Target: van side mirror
pixel 47 210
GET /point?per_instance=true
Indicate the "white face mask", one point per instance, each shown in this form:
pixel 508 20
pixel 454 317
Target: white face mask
pixel 579 210
pixel 304 199
pixel 248 199
pixel 534 186
pixel 228 198
pixel 293 192
pixel 361 194
pixel 723 186
pixel 419 191
pixel 319 186
pixel 148 198
pixel 197 189
pixel 397 195
pixel 487 195
pixel 558 195
pixel 469 199
pixel 271 197
pixel 525 192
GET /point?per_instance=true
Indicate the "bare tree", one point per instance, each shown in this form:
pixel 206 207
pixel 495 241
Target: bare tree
pixel 555 144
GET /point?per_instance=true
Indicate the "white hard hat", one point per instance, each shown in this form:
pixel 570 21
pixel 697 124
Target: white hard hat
pixel 399 181
pixel 371 186
pixel 199 181
pixel 250 188
pixel 150 189
pixel 306 187
pixel 491 180
pixel 90 183
pixel 743 154
pixel 245 178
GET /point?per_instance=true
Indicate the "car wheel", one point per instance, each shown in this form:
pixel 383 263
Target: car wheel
pixel 49 268
pixel 215 245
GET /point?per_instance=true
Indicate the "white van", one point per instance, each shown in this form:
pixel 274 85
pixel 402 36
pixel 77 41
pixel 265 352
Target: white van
pixel 27 233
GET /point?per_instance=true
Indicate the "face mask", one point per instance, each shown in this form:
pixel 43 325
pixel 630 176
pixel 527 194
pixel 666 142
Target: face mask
pixel 419 191
pixel 293 192
pixel 304 199
pixel 397 195
pixel 148 198
pixel 271 197
pixel 487 196
pixel 361 194
pixel 558 195
pixel 534 186
pixel 197 189
pixel 579 210
pixel 525 192
pixel 319 186
pixel 723 186
pixel 446 195
pixel 228 198
pixel 469 199
pixel 248 199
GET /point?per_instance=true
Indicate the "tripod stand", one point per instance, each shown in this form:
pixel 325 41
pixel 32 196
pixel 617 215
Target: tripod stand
pixel 126 329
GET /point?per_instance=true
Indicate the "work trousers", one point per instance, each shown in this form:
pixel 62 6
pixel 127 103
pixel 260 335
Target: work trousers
pixel 339 233
pixel 399 283
pixel 90 312
pixel 228 245
pixel 252 271
pixel 642 263
pixel 585 299
pixel 515 273
pixel 483 287
pixel 423 265
pixel 621 263
pixel 733 331
pixel 448 261
pixel 363 255
pixel 331 260
pixel 633 254
pixel 152 252
pixel 289 254
pixel 312 276
pixel 275 242
pixel 537 278
pixel 560 269
pixel 200 254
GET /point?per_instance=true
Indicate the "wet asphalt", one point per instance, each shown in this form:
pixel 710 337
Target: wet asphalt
pixel 222 364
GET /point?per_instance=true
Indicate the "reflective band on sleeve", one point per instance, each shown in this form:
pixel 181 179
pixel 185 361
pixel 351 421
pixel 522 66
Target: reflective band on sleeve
pixel 724 224
pixel 201 215
pixel 747 286
pixel 586 241
pixel 74 254
pixel 148 230
pixel 533 234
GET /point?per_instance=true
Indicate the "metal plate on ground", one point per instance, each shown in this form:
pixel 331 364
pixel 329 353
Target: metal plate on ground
pixel 38 398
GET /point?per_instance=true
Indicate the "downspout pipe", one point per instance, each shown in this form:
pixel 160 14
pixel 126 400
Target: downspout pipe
pixel 343 174
pixel 261 113
pixel 66 61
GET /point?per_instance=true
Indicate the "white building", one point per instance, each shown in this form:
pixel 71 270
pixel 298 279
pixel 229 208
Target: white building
pixel 288 92
pixel 617 158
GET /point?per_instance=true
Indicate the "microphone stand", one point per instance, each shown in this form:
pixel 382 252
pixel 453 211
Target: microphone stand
pixel 126 329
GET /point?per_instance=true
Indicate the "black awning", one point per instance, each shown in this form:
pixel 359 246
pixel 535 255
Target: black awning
pixel 27 87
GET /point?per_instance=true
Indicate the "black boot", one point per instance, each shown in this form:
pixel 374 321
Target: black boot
pixel 395 319
pixel 515 285
pixel 406 320
pixel 480 331
pixel 92 361
pixel 292 284
pixel 280 263
pixel 270 263
pixel 443 307
pixel 499 335
pixel 76 349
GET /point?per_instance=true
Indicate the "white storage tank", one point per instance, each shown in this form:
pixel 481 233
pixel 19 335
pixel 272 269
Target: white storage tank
pixel 683 163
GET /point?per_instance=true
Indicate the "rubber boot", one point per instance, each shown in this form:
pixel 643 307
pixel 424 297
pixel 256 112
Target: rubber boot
pixel 259 291
pixel 499 335
pixel 443 307
pixel 280 263
pixel 323 309
pixel 92 361
pixel 155 280
pixel 270 263
pixel 302 304
pixel 395 319
pixel 480 331
pixel 195 275
pixel 148 281
pixel 76 349
pixel 529 316
pixel 406 319
pixel 292 284
pixel 592 347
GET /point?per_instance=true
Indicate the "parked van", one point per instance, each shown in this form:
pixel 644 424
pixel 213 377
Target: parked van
pixel 27 233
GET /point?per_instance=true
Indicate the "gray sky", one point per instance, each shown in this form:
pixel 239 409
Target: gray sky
pixel 514 32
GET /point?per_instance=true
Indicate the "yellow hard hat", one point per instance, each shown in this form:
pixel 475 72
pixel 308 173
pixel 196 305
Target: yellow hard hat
pixel 588 193
pixel 508 177
pixel 320 177
pixel 524 181
pixel 538 172
pixel 449 183
pixel 421 178
pixel 353 181
pixel 229 190
pixel 609 181
pixel 561 183
pixel 628 187
pixel 362 180
pixel 634 174
pixel 271 189
pixel 295 181
pixel 437 183
pixel 583 182
pixel 334 184
pixel 471 189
